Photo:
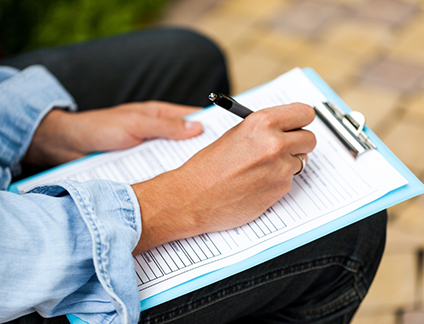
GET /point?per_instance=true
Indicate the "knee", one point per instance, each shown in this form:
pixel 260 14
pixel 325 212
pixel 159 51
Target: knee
pixel 198 49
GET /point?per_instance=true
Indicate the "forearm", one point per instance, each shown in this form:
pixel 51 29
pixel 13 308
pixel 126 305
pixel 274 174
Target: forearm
pixel 55 141
pixel 164 214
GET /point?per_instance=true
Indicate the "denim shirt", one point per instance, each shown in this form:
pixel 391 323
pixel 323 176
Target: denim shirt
pixel 65 247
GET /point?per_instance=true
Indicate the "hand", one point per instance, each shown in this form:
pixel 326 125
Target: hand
pixel 229 183
pixel 63 136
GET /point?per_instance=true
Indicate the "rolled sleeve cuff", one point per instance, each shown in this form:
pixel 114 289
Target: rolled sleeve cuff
pixel 111 213
pixel 25 98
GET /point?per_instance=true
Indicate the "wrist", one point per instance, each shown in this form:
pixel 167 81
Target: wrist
pixel 164 213
pixel 52 143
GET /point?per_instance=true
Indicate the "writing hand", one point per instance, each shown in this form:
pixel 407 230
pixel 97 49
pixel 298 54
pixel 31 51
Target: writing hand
pixel 63 136
pixel 229 183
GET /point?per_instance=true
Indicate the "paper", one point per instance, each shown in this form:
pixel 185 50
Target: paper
pixel 332 185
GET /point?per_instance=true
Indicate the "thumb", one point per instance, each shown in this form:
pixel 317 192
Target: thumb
pixel 173 128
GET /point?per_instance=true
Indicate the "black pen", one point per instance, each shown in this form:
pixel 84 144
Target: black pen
pixel 229 104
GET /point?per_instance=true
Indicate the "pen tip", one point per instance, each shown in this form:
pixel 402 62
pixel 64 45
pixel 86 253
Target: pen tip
pixel 213 96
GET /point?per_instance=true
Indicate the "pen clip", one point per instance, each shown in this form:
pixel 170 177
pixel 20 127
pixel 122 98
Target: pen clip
pixel 349 128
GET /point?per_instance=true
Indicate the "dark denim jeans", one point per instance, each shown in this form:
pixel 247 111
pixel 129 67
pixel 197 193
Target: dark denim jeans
pixel 321 282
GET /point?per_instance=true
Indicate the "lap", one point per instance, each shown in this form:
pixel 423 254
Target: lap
pixel 321 282
pixel 173 65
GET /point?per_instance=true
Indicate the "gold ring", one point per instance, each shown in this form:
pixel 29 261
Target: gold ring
pixel 302 159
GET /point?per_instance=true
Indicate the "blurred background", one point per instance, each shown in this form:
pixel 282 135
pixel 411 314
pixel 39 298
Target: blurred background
pixel 371 52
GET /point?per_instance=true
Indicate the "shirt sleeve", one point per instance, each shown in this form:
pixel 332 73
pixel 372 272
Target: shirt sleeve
pixel 25 98
pixel 65 247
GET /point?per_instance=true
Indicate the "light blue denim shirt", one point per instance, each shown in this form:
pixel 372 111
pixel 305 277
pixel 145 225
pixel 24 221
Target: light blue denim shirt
pixel 65 247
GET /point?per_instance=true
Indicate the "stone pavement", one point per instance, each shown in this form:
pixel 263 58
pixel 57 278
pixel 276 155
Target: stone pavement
pixel 371 52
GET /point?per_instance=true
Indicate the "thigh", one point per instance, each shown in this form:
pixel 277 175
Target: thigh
pixel 172 65
pixel 321 282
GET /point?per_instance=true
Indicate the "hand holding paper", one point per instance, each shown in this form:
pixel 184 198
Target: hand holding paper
pixel 62 136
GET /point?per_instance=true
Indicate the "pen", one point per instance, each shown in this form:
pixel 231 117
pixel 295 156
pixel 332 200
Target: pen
pixel 230 104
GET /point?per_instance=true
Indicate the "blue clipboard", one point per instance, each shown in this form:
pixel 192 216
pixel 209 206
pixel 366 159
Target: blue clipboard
pixel 413 188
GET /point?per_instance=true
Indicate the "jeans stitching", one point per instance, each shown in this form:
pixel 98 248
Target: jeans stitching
pixel 343 300
pixel 227 292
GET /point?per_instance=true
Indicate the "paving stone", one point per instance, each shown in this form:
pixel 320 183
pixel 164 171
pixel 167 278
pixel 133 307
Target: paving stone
pixel 332 68
pixel 350 3
pixel 307 17
pixel 186 12
pixel 377 104
pixel 359 318
pixel 408 44
pixel 405 233
pixel 254 69
pixel 336 66
pixel 414 105
pixel 362 38
pixel 253 8
pixel 397 75
pixel 411 221
pixel 394 284
pixel 420 87
pixel 392 12
pixel 225 29
pixel 277 43
pixel 412 317
pixel 395 211
pixel 418 3
pixel 405 139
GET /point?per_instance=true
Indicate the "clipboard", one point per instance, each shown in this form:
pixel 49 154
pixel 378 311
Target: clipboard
pixel 413 188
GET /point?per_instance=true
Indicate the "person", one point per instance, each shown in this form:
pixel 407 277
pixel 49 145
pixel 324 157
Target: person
pixel 67 246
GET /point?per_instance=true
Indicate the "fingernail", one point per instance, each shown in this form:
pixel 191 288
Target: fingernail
pixel 190 125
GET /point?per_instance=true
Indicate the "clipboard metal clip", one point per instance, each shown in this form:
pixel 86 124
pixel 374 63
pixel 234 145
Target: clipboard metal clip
pixel 349 128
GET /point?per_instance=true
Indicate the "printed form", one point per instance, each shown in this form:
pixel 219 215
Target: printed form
pixel 332 185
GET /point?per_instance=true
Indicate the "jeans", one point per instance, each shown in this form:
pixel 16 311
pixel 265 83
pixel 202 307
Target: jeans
pixel 321 282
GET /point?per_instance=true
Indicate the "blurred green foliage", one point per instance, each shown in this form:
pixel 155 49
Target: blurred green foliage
pixel 29 24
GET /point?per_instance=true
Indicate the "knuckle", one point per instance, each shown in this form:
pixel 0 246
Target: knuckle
pixel 274 147
pixel 262 118
pixel 154 107
pixel 133 114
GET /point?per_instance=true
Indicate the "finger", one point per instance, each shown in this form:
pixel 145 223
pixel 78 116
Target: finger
pixel 171 128
pixel 299 141
pixel 168 110
pixel 288 117
pixel 299 163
